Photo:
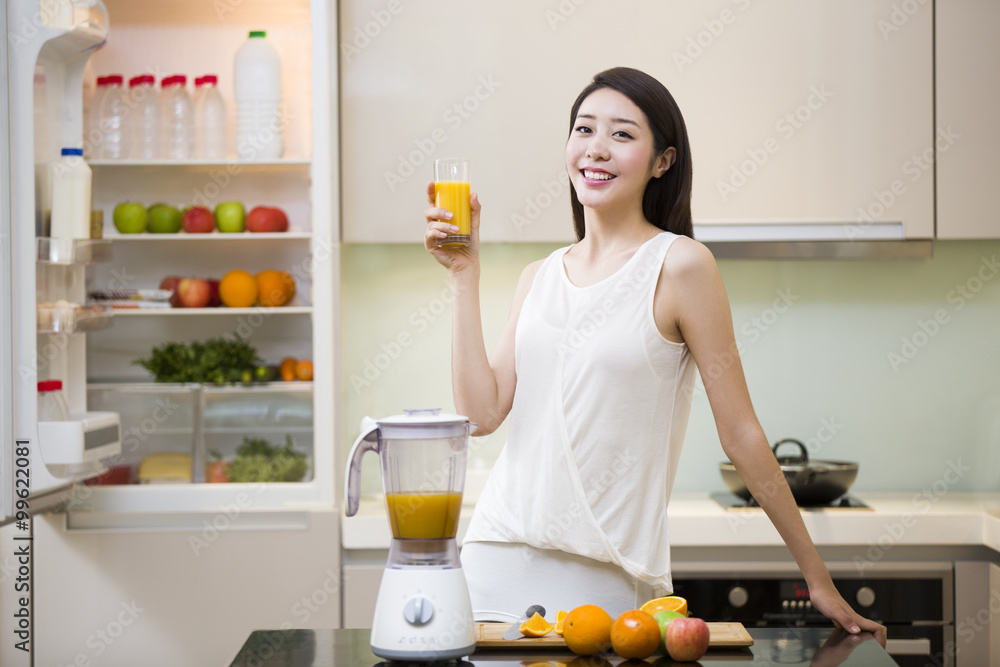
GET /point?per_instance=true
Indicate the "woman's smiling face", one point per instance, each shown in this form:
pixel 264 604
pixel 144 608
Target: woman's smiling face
pixel 609 153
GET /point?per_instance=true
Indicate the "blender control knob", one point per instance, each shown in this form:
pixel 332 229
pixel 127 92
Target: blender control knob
pixel 865 596
pixel 418 611
pixel 738 596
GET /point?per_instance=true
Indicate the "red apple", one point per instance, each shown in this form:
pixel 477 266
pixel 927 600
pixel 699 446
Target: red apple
pixel 267 219
pixel 686 639
pixel 170 283
pixel 213 289
pixel 198 220
pixel 194 293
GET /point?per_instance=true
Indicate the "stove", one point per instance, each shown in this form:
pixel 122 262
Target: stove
pixel 732 502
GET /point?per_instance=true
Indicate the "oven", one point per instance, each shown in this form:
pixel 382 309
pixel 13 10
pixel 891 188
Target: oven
pixel 915 601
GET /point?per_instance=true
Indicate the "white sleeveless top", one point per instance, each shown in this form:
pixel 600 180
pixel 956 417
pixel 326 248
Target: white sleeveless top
pixel 598 419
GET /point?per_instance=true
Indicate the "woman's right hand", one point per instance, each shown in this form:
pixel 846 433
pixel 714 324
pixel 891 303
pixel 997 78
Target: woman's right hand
pixel 457 258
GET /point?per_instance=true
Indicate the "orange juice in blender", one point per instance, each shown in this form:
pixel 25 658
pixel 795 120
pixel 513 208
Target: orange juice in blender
pixel 424 515
pixel 451 192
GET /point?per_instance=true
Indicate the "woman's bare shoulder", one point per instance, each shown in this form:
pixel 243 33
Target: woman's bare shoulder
pixel 689 259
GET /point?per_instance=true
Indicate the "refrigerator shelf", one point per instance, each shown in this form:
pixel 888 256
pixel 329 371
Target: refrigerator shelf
pixel 210 236
pixel 72 251
pixel 220 310
pixel 231 163
pixel 68 318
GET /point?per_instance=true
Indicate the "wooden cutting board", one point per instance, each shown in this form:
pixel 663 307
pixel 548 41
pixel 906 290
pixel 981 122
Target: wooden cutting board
pixel 490 635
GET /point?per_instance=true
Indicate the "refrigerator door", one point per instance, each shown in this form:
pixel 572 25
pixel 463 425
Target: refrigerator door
pixel 46 49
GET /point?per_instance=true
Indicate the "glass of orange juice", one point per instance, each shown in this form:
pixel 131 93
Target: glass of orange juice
pixel 451 192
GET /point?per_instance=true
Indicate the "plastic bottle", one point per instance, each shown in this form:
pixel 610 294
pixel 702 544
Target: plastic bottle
pixel 209 119
pixel 178 119
pixel 143 125
pixel 70 180
pixel 113 110
pixel 91 145
pixel 52 405
pixel 258 99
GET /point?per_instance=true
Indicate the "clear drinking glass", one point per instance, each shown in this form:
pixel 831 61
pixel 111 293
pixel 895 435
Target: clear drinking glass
pixel 451 192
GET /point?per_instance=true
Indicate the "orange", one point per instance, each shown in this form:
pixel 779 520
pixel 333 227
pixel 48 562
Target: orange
pixel 238 289
pixel 587 630
pixel 274 288
pixel 536 626
pixel 671 602
pixel 560 619
pixel 635 634
pixel 287 369
pixel 304 370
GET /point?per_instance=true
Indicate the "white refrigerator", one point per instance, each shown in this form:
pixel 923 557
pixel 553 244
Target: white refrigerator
pixel 163 573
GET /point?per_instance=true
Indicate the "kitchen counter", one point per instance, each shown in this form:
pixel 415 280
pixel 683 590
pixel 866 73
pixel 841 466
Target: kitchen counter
pixel 814 647
pixel 696 520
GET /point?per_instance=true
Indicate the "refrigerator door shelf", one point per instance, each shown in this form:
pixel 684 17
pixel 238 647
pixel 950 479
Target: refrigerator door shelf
pixel 70 448
pixel 72 251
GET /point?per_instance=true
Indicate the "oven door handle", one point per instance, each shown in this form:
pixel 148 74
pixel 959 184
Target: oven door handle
pixel 921 646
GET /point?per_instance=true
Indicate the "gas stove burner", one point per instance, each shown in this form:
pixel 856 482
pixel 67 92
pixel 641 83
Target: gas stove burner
pixel 730 501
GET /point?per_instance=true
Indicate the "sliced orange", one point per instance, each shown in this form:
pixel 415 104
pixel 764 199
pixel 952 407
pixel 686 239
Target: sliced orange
pixel 671 602
pixel 536 626
pixel 560 617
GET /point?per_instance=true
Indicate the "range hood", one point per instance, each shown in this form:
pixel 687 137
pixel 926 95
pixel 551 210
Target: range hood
pixel 810 240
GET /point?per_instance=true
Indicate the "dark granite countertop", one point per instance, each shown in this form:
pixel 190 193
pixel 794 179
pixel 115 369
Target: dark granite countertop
pixel 812 647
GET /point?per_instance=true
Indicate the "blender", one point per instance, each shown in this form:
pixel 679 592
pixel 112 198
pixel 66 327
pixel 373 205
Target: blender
pixel 423 611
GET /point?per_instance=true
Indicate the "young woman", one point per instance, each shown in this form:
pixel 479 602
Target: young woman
pixel 595 368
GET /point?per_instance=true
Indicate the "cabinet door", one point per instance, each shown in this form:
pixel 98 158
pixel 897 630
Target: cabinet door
pixel 968 94
pixel 798 110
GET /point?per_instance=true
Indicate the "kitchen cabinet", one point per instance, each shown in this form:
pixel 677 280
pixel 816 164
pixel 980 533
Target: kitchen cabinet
pixel 800 113
pixel 967 58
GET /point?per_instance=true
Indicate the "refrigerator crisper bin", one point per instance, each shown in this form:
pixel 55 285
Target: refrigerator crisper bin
pixel 157 421
pixel 205 426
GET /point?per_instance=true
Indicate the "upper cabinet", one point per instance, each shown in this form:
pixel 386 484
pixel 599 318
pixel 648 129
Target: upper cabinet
pixel 968 137
pixel 800 112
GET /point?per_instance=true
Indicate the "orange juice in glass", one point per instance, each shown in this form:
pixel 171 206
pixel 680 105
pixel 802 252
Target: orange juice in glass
pixel 451 192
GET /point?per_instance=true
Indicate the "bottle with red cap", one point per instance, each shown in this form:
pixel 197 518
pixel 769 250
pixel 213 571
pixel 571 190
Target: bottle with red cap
pixel 178 119
pixel 52 405
pixel 111 142
pixel 143 125
pixel 91 140
pixel 209 119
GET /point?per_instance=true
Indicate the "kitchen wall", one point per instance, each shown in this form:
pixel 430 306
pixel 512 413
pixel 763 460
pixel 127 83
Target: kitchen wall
pixel 888 363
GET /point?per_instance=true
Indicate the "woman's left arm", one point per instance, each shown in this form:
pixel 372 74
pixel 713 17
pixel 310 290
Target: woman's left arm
pixel 691 301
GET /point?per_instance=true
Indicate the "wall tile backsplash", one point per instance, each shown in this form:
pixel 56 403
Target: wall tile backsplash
pixel 892 364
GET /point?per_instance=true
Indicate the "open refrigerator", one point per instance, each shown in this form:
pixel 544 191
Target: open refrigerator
pixel 250 554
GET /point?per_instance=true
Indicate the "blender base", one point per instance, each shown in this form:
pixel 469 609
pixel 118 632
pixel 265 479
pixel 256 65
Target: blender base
pixel 423 614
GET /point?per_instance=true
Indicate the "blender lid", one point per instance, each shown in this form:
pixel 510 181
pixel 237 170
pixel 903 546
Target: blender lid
pixel 424 423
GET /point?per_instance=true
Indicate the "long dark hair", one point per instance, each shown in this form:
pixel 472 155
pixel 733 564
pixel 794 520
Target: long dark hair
pixel 667 200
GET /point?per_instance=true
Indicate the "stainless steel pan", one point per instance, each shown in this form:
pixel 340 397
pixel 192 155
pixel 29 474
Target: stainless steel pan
pixel 812 482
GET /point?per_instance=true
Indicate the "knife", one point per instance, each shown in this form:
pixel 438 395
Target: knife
pixel 514 631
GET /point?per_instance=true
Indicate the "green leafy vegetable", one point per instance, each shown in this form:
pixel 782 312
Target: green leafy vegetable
pixel 215 361
pixel 257 460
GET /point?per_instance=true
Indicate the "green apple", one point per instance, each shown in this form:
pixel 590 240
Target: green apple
pixel 130 217
pixel 230 217
pixel 663 618
pixel 164 219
